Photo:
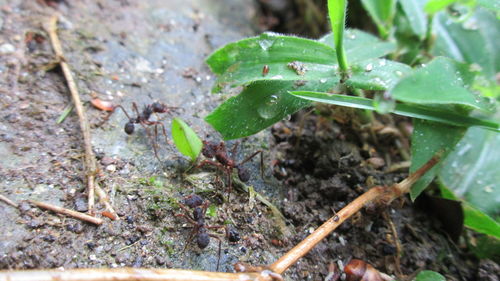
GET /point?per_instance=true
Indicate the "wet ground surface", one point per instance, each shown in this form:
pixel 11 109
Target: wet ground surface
pixel 123 52
pixel 145 51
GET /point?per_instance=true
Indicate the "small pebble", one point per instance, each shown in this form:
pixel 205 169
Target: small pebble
pixel 7 49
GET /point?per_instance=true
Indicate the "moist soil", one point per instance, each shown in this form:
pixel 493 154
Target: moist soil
pixel 131 51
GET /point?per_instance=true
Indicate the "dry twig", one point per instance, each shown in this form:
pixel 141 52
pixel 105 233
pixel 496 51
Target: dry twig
pixel 90 161
pixel 8 201
pixel 67 212
pixel 123 274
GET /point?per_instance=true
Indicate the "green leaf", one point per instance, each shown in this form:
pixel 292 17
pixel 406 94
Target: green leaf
pixel 260 105
pixel 471 171
pixel 427 139
pixel 477 40
pixel 212 211
pixel 442 81
pixel 428 275
pixel 377 74
pixel 434 6
pixel 473 218
pixel 361 46
pixel 492 5
pixel 410 110
pixel 382 13
pixel 414 10
pixel 185 139
pixel 336 12
pixel 243 61
pixel 487 247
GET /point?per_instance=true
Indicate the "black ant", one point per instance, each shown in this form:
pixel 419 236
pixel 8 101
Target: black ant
pixel 197 219
pixel 143 119
pixel 225 162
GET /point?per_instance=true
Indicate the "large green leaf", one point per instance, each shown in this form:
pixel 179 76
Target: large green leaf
pixel 410 110
pixel 361 46
pixel 472 171
pixel 414 10
pixel 477 40
pixel 260 105
pixel 377 74
pixel 382 13
pixel 442 81
pixel 427 139
pixel 243 61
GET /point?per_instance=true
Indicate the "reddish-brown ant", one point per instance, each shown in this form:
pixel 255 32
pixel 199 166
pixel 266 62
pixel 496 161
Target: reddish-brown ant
pixel 197 219
pixel 142 118
pixel 218 151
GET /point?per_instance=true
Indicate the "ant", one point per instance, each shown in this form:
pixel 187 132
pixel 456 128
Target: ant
pixel 143 119
pixel 197 219
pixel 218 151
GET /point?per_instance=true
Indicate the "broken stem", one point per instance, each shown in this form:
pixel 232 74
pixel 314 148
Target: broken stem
pixel 67 212
pixel 377 194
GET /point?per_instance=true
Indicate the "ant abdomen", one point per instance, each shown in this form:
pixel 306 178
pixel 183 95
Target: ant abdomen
pixel 203 239
pixel 243 174
pixel 129 128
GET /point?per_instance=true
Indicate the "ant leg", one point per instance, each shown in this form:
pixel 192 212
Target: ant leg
pixel 123 109
pixel 153 142
pixel 187 217
pixel 219 251
pixel 235 147
pixel 261 161
pixel 209 162
pixel 190 238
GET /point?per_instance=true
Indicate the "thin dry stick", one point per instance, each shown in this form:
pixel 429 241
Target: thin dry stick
pixel 67 212
pixel 90 161
pixel 105 201
pixel 396 241
pixel 381 194
pixel 8 201
pixel 125 274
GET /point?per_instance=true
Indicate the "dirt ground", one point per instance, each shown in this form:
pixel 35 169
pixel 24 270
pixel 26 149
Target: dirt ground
pixel 145 51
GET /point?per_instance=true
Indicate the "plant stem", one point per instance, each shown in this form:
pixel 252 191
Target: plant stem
pixel 337 11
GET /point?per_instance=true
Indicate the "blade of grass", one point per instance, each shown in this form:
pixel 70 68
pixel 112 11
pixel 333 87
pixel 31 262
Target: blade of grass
pixel 64 114
pixel 410 110
pixel 336 11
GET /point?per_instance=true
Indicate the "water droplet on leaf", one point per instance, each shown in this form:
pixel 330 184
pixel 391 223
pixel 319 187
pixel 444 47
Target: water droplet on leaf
pixel 383 103
pixel 269 109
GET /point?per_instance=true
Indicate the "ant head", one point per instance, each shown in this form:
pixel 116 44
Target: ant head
pixel 159 107
pixel 192 201
pixel 232 234
pixel 203 239
pixel 243 174
pixel 129 127
pixel 209 149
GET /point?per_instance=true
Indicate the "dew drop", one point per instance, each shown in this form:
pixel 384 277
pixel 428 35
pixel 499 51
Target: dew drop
pixel 269 109
pixel 382 62
pixel 322 80
pixel 384 103
pixel 398 73
pixel 369 67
